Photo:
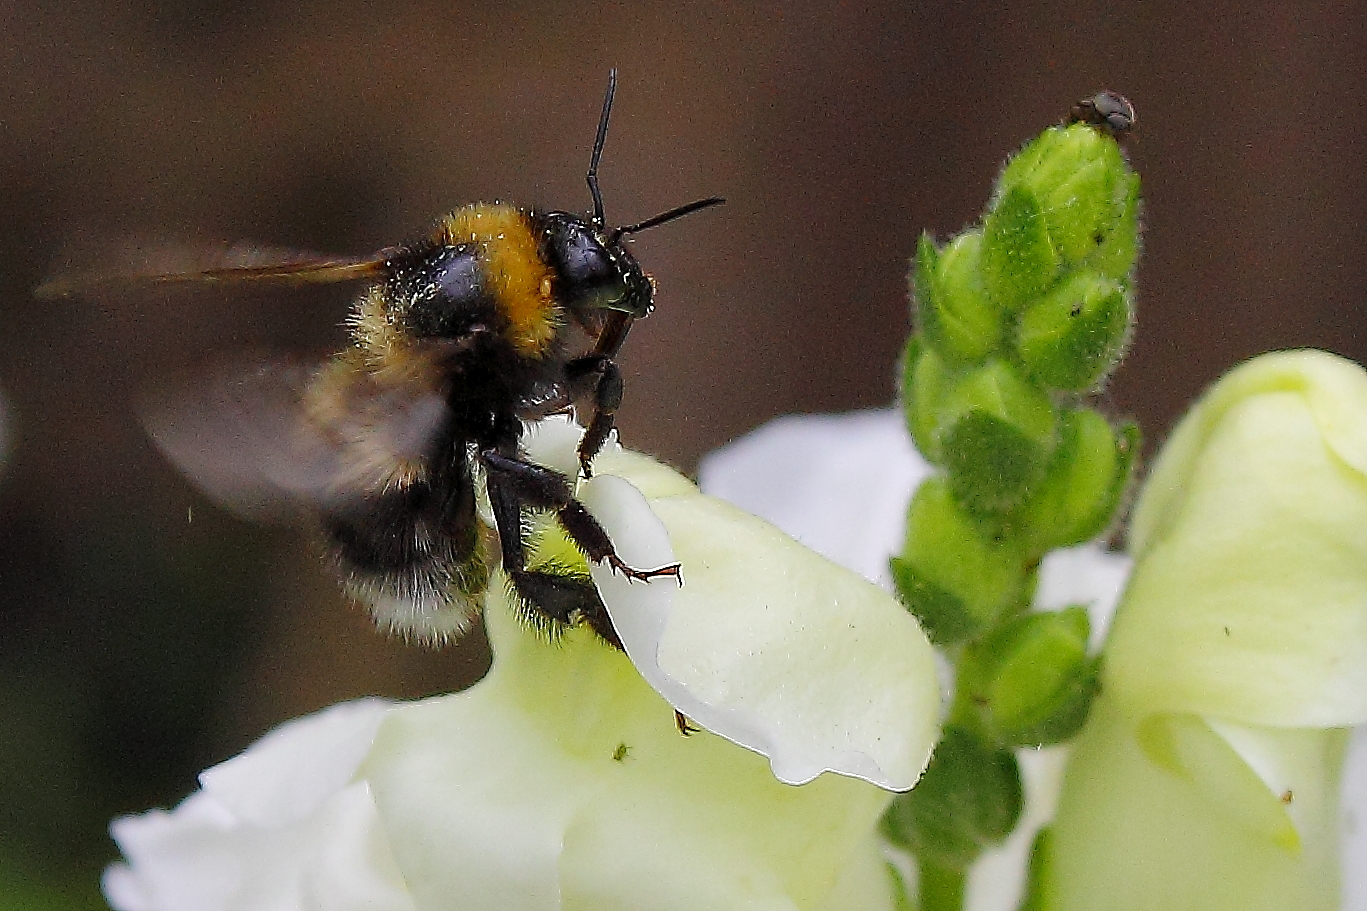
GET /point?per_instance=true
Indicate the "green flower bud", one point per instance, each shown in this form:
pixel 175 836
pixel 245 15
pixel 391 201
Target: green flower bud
pixel 952 577
pixel 1000 433
pixel 1030 682
pixel 1018 259
pixel 1079 179
pixel 952 307
pixel 969 799
pixel 1085 483
pixel 1039 892
pixel 1072 338
pixel 925 379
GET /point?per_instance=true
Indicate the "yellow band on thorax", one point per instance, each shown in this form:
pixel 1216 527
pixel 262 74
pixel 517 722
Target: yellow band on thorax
pixel 517 278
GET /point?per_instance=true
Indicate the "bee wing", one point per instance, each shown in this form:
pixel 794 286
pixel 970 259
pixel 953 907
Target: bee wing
pixel 282 438
pixel 236 263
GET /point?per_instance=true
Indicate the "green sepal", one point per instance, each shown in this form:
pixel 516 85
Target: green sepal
pixel 969 799
pixel 998 437
pixel 1072 337
pixel 1077 174
pixel 951 305
pixel 992 466
pixel 1116 257
pixel 952 577
pixel 1030 682
pixel 1082 488
pixel 1018 260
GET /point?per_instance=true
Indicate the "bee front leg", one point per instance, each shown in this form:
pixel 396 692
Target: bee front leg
pixel 607 398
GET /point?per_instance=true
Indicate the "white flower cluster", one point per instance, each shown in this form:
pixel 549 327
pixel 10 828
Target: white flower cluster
pixel 560 780
pixel 1208 776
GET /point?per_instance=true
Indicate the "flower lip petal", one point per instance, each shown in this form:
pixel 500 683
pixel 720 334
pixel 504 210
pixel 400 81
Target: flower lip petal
pixel 768 644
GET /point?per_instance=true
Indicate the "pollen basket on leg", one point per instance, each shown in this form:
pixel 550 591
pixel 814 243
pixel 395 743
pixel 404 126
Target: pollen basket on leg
pixel 515 273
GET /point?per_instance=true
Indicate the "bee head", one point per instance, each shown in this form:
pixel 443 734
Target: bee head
pixel 594 269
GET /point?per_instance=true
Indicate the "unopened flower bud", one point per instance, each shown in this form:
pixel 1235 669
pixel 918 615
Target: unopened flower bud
pixel 999 436
pixel 925 380
pixel 950 575
pixel 969 799
pixel 1018 259
pixel 1031 681
pixel 1081 182
pixel 1086 481
pixel 953 309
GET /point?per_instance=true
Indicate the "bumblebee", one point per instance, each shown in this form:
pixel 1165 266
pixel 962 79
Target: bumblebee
pixel 457 340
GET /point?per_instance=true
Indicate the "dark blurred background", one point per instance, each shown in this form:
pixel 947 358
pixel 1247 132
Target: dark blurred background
pixel 145 634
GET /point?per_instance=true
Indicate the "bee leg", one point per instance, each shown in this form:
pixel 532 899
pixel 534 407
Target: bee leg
pixel 550 599
pixel 513 484
pixel 607 398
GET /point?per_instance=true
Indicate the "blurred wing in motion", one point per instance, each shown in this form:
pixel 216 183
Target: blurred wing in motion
pixel 205 265
pixel 352 449
pixel 278 439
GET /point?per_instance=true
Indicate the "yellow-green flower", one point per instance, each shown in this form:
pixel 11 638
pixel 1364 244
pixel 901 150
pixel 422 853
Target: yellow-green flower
pixel 1208 776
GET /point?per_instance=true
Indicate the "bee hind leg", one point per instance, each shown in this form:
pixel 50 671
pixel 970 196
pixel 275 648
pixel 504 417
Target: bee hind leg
pixel 553 602
pixel 515 484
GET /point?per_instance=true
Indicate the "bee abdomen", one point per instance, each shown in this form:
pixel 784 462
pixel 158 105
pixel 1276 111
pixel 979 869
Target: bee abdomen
pixel 421 579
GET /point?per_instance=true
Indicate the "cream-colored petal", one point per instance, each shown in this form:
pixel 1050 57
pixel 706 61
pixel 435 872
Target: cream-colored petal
pixel 767 643
pixel 1134 835
pixel 560 782
pixel 1249 596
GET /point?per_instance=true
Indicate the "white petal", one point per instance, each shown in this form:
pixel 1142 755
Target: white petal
pixel 1086 575
pixel 322 848
pixel 766 643
pixel 1354 823
pixel 559 783
pixel 838 483
pixel 197 858
pixel 287 774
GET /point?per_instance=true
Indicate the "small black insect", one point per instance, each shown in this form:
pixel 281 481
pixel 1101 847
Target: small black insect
pixel 1110 112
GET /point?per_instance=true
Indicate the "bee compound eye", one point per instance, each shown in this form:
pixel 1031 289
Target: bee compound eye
pixel 581 259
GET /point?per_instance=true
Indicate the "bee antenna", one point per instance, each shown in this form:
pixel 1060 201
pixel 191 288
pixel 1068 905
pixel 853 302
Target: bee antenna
pixel 598 219
pixel 678 212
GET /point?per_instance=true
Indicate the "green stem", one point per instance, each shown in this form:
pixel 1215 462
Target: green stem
pixel 942 888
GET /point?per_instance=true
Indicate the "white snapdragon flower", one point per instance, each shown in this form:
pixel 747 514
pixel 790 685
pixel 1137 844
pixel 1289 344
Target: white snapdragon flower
pixel 560 781
pixel 1210 773
pixel 1236 612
